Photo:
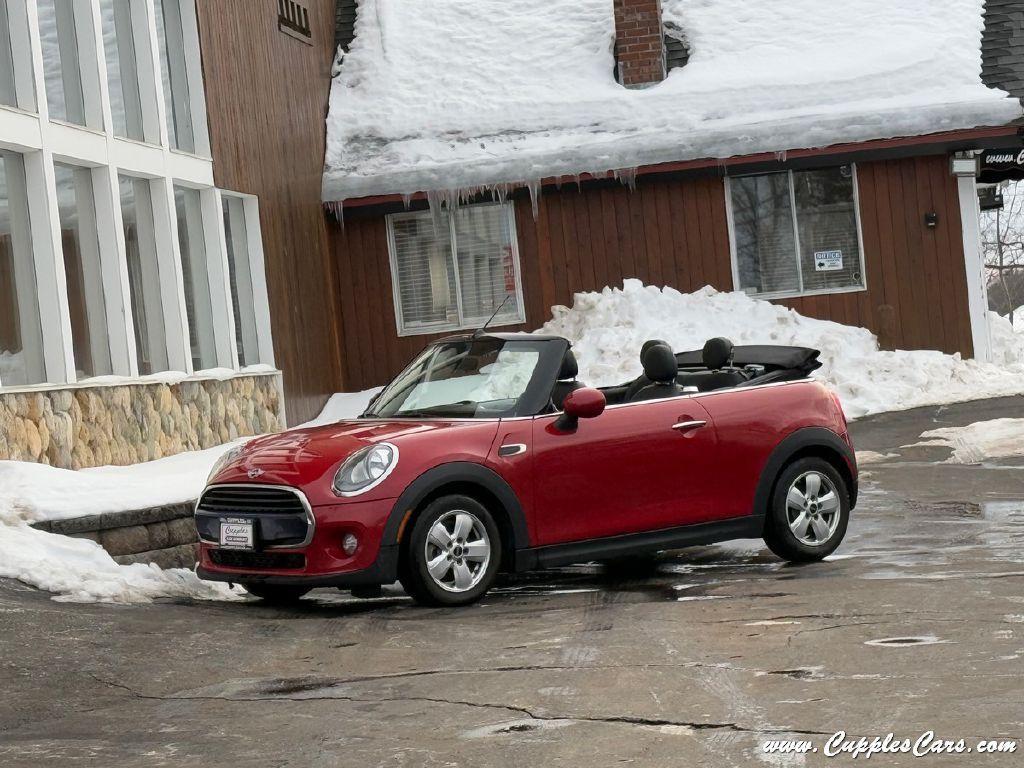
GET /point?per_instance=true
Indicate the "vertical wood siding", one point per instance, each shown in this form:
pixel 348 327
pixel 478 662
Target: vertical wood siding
pixel 675 232
pixel 266 95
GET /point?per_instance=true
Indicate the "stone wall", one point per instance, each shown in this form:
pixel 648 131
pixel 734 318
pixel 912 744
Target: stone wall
pixel 81 426
pixel 162 535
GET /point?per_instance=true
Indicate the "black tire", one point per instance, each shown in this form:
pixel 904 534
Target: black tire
pixel 275 594
pixel 778 534
pixel 413 571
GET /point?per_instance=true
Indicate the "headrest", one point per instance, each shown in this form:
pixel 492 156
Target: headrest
pixel 650 343
pixel 569 369
pixel 660 364
pixel 717 353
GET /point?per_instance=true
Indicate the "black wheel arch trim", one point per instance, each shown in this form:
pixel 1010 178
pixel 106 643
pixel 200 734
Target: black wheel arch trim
pixel 458 472
pixel 790 446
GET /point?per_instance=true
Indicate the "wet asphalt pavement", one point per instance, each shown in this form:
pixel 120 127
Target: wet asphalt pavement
pixel 915 624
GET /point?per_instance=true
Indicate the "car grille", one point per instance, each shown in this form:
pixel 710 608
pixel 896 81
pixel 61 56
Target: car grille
pixel 230 558
pixel 254 500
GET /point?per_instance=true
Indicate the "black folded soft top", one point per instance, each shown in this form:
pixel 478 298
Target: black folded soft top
pixel 773 357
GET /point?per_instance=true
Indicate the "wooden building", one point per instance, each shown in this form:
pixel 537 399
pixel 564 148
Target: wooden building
pixel 878 232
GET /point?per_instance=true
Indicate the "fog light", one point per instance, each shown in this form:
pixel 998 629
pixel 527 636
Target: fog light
pixel 349 544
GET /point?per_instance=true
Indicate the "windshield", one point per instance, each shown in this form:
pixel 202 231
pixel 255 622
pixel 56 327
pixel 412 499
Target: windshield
pixel 474 378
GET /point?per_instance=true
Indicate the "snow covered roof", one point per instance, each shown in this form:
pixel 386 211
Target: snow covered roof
pixel 448 94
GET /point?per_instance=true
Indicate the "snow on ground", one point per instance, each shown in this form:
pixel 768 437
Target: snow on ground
pixel 607 329
pixel 448 94
pixel 30 492
pixel 78 569
pixel 343 405
pixel 974 443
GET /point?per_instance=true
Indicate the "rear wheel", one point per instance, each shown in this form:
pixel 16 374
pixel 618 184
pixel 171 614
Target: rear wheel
pixel 453 553
pixel 276 594
pixel 809 512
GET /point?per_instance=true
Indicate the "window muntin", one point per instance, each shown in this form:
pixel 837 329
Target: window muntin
pixel 143 274
pixel 195 270
pixel 454 270
pixel 83 270
pixel 125 37
pixel 796 232
pixel 243 304
pixel 17 87
pixel 170 34
pixel 21 349
pixel 69 65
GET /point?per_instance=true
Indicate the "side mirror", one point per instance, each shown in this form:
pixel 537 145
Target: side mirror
pixel 585 403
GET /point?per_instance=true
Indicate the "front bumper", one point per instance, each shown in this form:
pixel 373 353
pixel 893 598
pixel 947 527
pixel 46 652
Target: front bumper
pixel 321 562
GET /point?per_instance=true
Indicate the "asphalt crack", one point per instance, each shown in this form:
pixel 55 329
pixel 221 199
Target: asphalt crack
pixel 634 720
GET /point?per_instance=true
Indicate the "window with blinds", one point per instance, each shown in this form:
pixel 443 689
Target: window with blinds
pixel 453 271
pixel 797 232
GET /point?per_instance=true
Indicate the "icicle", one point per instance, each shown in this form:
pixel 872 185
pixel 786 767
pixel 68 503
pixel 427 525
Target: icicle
pixel 534 188
pixel 626 176
pixel 781 156
pixel 337 209
pixel 435 200
pixel 407 199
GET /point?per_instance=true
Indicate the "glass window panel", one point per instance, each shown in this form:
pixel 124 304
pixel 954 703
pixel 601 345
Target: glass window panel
pixel 173 73
pixel 487 268
pixel 17 88
pixel 240 274
pixel 437 291
pixel 21 348
pixel 66 34
pixel 827 220
pixel 763 228
pixel 122 68
pixel 80 243
pixel 196 275
pixel 143 274
pixel 424 271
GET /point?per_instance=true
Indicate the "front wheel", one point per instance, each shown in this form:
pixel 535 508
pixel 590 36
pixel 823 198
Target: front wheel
pixel 276 594
pixel 453 553
pixel 809 512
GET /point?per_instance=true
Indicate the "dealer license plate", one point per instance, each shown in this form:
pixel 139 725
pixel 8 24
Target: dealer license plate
pixel 237 534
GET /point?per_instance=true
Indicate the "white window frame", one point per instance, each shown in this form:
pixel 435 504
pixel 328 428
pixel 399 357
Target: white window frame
pixel 800 292
pixel 41 142
pixel 422 329
pixel 21 56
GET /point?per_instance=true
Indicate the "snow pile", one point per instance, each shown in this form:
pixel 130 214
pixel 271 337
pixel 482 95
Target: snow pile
pixel 445 94
pixel 31 492
pixel 973 443
pixel 343 405
pixel 608 328
pixel 78 569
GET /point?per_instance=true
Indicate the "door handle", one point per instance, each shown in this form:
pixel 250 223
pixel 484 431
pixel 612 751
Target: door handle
pixel 686 426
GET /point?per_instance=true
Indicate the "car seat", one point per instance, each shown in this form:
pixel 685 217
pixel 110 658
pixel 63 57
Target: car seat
pixel 566 380
pixel 660 368
pixel 642 381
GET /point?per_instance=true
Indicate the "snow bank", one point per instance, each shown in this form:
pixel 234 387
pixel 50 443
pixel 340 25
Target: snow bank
pixel 30 492
pixel 443 94
pixel 608 328
pixel 343 405
pixel 79 570
pixel 973 443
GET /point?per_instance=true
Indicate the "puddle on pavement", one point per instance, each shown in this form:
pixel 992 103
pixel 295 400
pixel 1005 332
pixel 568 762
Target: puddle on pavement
pixel 903 642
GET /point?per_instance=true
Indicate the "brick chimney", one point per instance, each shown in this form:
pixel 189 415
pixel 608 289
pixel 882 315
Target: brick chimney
pixel 639 42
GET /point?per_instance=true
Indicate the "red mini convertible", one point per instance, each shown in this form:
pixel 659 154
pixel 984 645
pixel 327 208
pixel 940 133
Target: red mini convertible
pixel 487 454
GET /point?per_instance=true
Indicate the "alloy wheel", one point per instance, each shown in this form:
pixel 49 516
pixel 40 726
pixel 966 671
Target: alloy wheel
pixel 458 551
pixel 812 508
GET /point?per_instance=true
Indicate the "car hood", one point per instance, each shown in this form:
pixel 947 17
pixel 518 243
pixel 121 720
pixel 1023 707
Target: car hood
pixel 302 456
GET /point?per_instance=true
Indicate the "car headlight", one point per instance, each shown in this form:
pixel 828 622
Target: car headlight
pixel 365 469
pixel 226 458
